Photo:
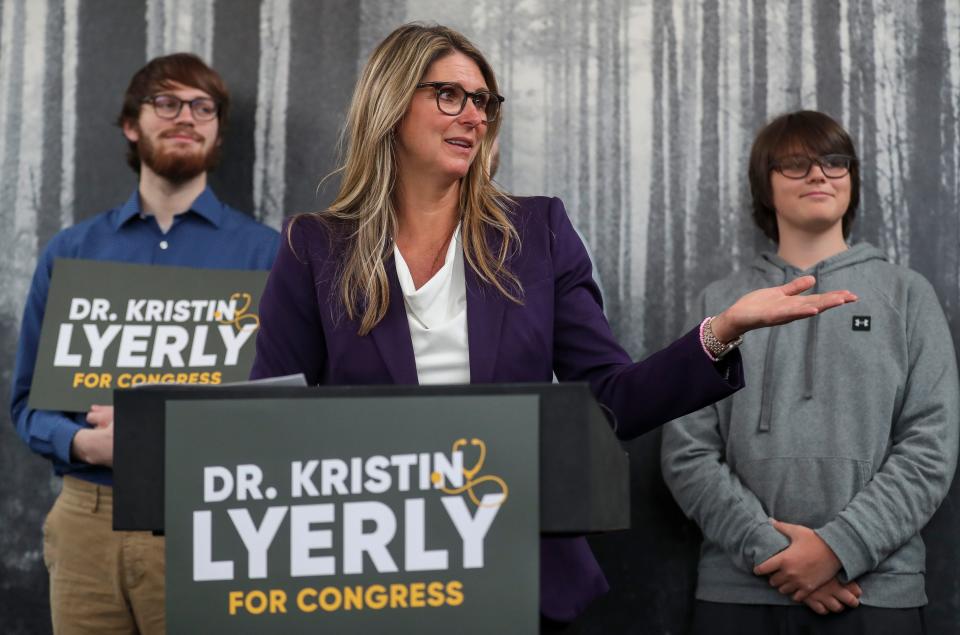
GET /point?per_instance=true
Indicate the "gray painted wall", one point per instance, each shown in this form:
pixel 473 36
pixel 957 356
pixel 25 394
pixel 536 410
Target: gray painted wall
pixel 638 113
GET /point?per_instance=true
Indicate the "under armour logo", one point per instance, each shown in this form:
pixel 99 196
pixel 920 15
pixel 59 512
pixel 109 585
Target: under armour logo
pixel 861 322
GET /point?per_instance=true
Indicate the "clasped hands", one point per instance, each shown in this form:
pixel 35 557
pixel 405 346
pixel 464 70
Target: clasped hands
pixel 807 570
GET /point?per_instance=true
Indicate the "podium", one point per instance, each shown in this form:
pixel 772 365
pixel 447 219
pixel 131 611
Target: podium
pixel 584 471
pixel 363 509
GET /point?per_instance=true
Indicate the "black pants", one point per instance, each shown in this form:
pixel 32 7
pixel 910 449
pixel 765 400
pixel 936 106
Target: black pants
pixel 713 618
pixel 549 627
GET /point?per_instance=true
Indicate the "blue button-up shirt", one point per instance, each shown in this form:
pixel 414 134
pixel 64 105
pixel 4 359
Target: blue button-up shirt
pixel 210 235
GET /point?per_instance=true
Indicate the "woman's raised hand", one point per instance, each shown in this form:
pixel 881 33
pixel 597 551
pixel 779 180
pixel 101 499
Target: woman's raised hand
pixel 775 305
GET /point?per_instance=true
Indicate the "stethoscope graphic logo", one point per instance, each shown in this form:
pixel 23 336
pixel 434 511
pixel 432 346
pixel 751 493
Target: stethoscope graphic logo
pixel 471 480
pixel 241 319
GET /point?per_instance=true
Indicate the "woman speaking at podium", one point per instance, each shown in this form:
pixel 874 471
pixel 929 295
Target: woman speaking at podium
pixel 423 271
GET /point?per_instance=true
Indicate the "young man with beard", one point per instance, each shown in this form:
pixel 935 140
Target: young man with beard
pixel 173 117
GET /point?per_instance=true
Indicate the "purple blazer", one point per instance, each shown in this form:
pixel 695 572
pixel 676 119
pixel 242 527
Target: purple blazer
pixel 559 328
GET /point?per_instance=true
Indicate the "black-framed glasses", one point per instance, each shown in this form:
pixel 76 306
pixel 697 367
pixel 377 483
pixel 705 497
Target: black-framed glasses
pixel 169 107
pixel 452 98
pixel 833 166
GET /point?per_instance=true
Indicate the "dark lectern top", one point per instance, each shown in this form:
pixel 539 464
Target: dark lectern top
pixel 584 473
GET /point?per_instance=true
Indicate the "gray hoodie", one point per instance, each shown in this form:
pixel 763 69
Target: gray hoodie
pixel 848 425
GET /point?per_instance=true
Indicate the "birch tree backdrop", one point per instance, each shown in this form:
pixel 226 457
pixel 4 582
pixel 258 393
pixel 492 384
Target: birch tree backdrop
pixel 638 113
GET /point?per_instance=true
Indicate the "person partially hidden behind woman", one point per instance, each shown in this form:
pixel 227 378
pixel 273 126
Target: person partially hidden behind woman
pixel 850 439
pixel 423 271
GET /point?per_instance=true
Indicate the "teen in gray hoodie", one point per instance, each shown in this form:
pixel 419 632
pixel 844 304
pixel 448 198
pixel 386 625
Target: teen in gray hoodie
pixel 848 438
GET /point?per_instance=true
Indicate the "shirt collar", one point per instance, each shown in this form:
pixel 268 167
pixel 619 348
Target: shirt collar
pixel 207 206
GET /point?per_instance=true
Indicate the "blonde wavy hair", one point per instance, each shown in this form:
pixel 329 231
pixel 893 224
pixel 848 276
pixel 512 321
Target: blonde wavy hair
pixel 363 215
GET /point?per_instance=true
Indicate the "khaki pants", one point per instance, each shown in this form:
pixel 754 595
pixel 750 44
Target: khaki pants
pixel 101 581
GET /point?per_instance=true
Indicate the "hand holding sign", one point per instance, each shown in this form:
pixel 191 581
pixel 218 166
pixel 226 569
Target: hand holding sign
pixel 95 445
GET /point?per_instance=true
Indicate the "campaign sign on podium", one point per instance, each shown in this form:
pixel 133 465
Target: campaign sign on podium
pixel 395 514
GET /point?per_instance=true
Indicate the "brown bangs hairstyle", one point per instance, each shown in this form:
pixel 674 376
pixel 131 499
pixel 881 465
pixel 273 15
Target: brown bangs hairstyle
pixel 802 132
pixel 158 75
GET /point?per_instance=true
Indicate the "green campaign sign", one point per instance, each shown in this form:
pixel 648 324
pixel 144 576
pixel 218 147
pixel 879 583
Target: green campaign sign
pixel 414 514
pixel 118 325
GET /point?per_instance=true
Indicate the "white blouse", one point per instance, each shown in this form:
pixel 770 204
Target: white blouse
pixel 437 315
